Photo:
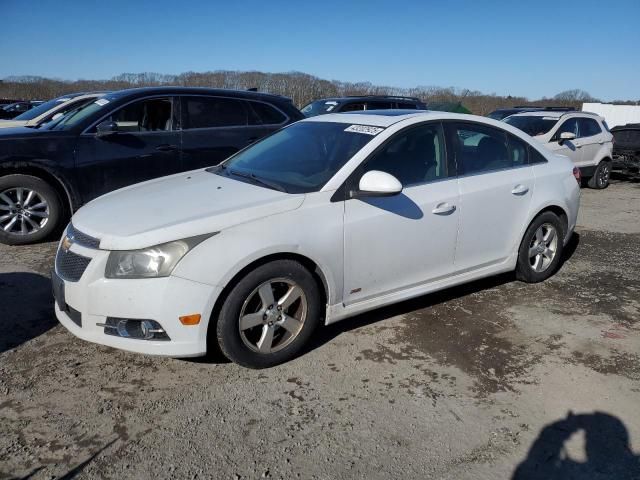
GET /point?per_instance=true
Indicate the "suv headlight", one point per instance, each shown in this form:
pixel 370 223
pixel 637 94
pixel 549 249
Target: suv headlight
pixel 152 262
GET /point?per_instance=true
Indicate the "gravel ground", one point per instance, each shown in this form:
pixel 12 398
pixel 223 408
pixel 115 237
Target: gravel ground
pixel 496 379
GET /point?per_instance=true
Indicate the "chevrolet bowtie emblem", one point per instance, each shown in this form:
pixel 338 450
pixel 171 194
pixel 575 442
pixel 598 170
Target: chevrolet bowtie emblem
pixel 66 243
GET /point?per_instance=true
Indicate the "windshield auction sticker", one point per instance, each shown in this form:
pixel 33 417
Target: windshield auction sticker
pixel 102 102
pixel 364 129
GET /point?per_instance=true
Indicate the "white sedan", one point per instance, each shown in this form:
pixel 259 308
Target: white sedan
pixel 327 218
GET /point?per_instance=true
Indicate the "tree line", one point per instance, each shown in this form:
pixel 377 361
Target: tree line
pixel 300 87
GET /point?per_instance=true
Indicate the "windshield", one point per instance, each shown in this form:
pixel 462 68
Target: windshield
pixel 40 109
pixel 77 114
pixel 532 125
pixel 319 107
pixel 301 158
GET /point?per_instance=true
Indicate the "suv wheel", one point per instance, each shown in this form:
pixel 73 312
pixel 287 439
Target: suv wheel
pixel 30 209
pixel 269 315
pixel 601 176
pixel 541 249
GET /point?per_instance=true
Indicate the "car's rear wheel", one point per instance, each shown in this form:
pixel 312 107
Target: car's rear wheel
pixel 269 315
pixel 541 249
pixel 30 209
pixel 601 176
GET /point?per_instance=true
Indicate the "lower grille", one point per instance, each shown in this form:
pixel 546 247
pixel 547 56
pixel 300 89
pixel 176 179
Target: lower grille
pixel 70 266
pixel 74 315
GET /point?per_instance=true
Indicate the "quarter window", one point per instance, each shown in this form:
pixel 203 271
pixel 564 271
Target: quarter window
pixel 414 156
pixel 588 127
pixel 210 112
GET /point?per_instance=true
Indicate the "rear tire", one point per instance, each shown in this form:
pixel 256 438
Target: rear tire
pixel 601 176
pixel 541 249
pixel 269 315
pixel 30 209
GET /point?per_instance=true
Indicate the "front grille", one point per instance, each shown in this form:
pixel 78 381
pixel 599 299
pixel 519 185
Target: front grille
pixel 71 266
pixel 76 236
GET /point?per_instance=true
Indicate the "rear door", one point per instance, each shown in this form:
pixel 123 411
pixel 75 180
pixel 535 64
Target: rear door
pixel 147 145
pixel 496 187
pixel 214 128
pixel 570 148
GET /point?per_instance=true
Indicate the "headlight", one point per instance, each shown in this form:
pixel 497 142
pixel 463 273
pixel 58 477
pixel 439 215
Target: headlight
pixel 153 262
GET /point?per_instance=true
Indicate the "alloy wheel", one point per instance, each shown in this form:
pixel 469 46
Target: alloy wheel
pixel 273 315
pixel 23 211
pixel 543 247
pixel 604 174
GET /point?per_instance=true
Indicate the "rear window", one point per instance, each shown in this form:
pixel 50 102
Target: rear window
pixel 532 124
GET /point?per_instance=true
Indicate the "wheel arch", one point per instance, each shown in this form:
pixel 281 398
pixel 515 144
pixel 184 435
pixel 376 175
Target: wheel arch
pixel 307 262
pixel 557 210
pixel 62 187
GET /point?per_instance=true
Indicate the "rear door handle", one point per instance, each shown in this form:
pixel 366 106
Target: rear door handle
pixel 520 189
pixel 444 209
pixel 166 147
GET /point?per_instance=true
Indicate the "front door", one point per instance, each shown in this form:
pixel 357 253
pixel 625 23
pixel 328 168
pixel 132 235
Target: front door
pixel 146 146
pixel 496 187
pixel 570 148
pixel 394 243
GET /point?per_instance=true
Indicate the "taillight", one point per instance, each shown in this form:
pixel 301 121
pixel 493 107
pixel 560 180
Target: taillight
pixel 577 175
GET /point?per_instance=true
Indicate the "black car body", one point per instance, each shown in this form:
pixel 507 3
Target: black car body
pixel 12 110
pixel 134 135
pixel 626 148
pixel 353 104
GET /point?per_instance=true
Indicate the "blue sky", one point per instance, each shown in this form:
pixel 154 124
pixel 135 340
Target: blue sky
pixel 505 47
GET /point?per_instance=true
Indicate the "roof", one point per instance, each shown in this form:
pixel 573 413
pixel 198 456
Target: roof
pixel 386 118
pixel 553 113
pixel 169 90
pixel 368 97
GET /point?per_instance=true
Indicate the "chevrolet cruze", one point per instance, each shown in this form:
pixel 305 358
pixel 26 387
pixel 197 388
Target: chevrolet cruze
pixel 326 218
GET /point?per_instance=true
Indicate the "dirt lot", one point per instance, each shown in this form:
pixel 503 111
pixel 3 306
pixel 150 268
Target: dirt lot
pixel 472 383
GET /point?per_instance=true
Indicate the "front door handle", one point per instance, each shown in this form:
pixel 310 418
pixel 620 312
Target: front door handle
pixel 520 189
pixel 444 209
pixel 166 148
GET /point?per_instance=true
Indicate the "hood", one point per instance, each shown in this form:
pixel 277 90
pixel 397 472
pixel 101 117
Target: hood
pixel 176 207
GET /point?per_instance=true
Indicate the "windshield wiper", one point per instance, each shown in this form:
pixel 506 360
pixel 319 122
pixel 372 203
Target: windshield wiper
pixel 256 179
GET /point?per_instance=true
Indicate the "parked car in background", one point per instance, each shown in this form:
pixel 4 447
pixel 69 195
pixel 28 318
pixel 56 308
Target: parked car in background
pixel 327 218
pixel 626 149
pixel 502 113
pixel 119 139
pixel 352 104
pixel 14 109
pixel 51 110
pixel 583 137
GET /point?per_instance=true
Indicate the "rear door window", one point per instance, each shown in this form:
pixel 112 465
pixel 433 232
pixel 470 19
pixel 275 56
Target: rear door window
pixel 379 105
pixel 213 112
pixel 265 114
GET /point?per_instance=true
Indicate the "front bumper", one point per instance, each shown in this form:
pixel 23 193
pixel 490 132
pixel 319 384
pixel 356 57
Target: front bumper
pixel 93 299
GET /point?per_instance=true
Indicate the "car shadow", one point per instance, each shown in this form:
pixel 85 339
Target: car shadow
pixel 607 451
pixel 327 333
pixel 26 308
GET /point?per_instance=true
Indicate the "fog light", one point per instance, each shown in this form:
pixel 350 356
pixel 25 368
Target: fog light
pixel 137 329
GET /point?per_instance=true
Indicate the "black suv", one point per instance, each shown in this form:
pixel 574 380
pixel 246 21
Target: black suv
pixel 120 139
pixel 12 110
pixel 352 104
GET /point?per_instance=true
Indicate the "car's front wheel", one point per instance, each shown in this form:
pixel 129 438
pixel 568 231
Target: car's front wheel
pixel 541 249
pixel 30 209
pixel 269 314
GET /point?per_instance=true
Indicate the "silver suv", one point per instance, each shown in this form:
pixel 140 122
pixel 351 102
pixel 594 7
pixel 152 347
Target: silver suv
pixel 582 136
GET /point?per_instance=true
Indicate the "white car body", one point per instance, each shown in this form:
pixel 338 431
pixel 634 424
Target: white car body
pixel 585 151
pixel 366 256
pixel 63 105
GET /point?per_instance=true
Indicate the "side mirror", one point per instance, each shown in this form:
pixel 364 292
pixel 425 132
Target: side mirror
pixel 378 184
pixel 106 128
pixel 564 136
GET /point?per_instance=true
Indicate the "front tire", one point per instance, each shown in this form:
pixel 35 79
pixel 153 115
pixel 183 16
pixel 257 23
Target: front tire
pixel 541 249
pixel 601 176
pixel 269 315
pixel 30 209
